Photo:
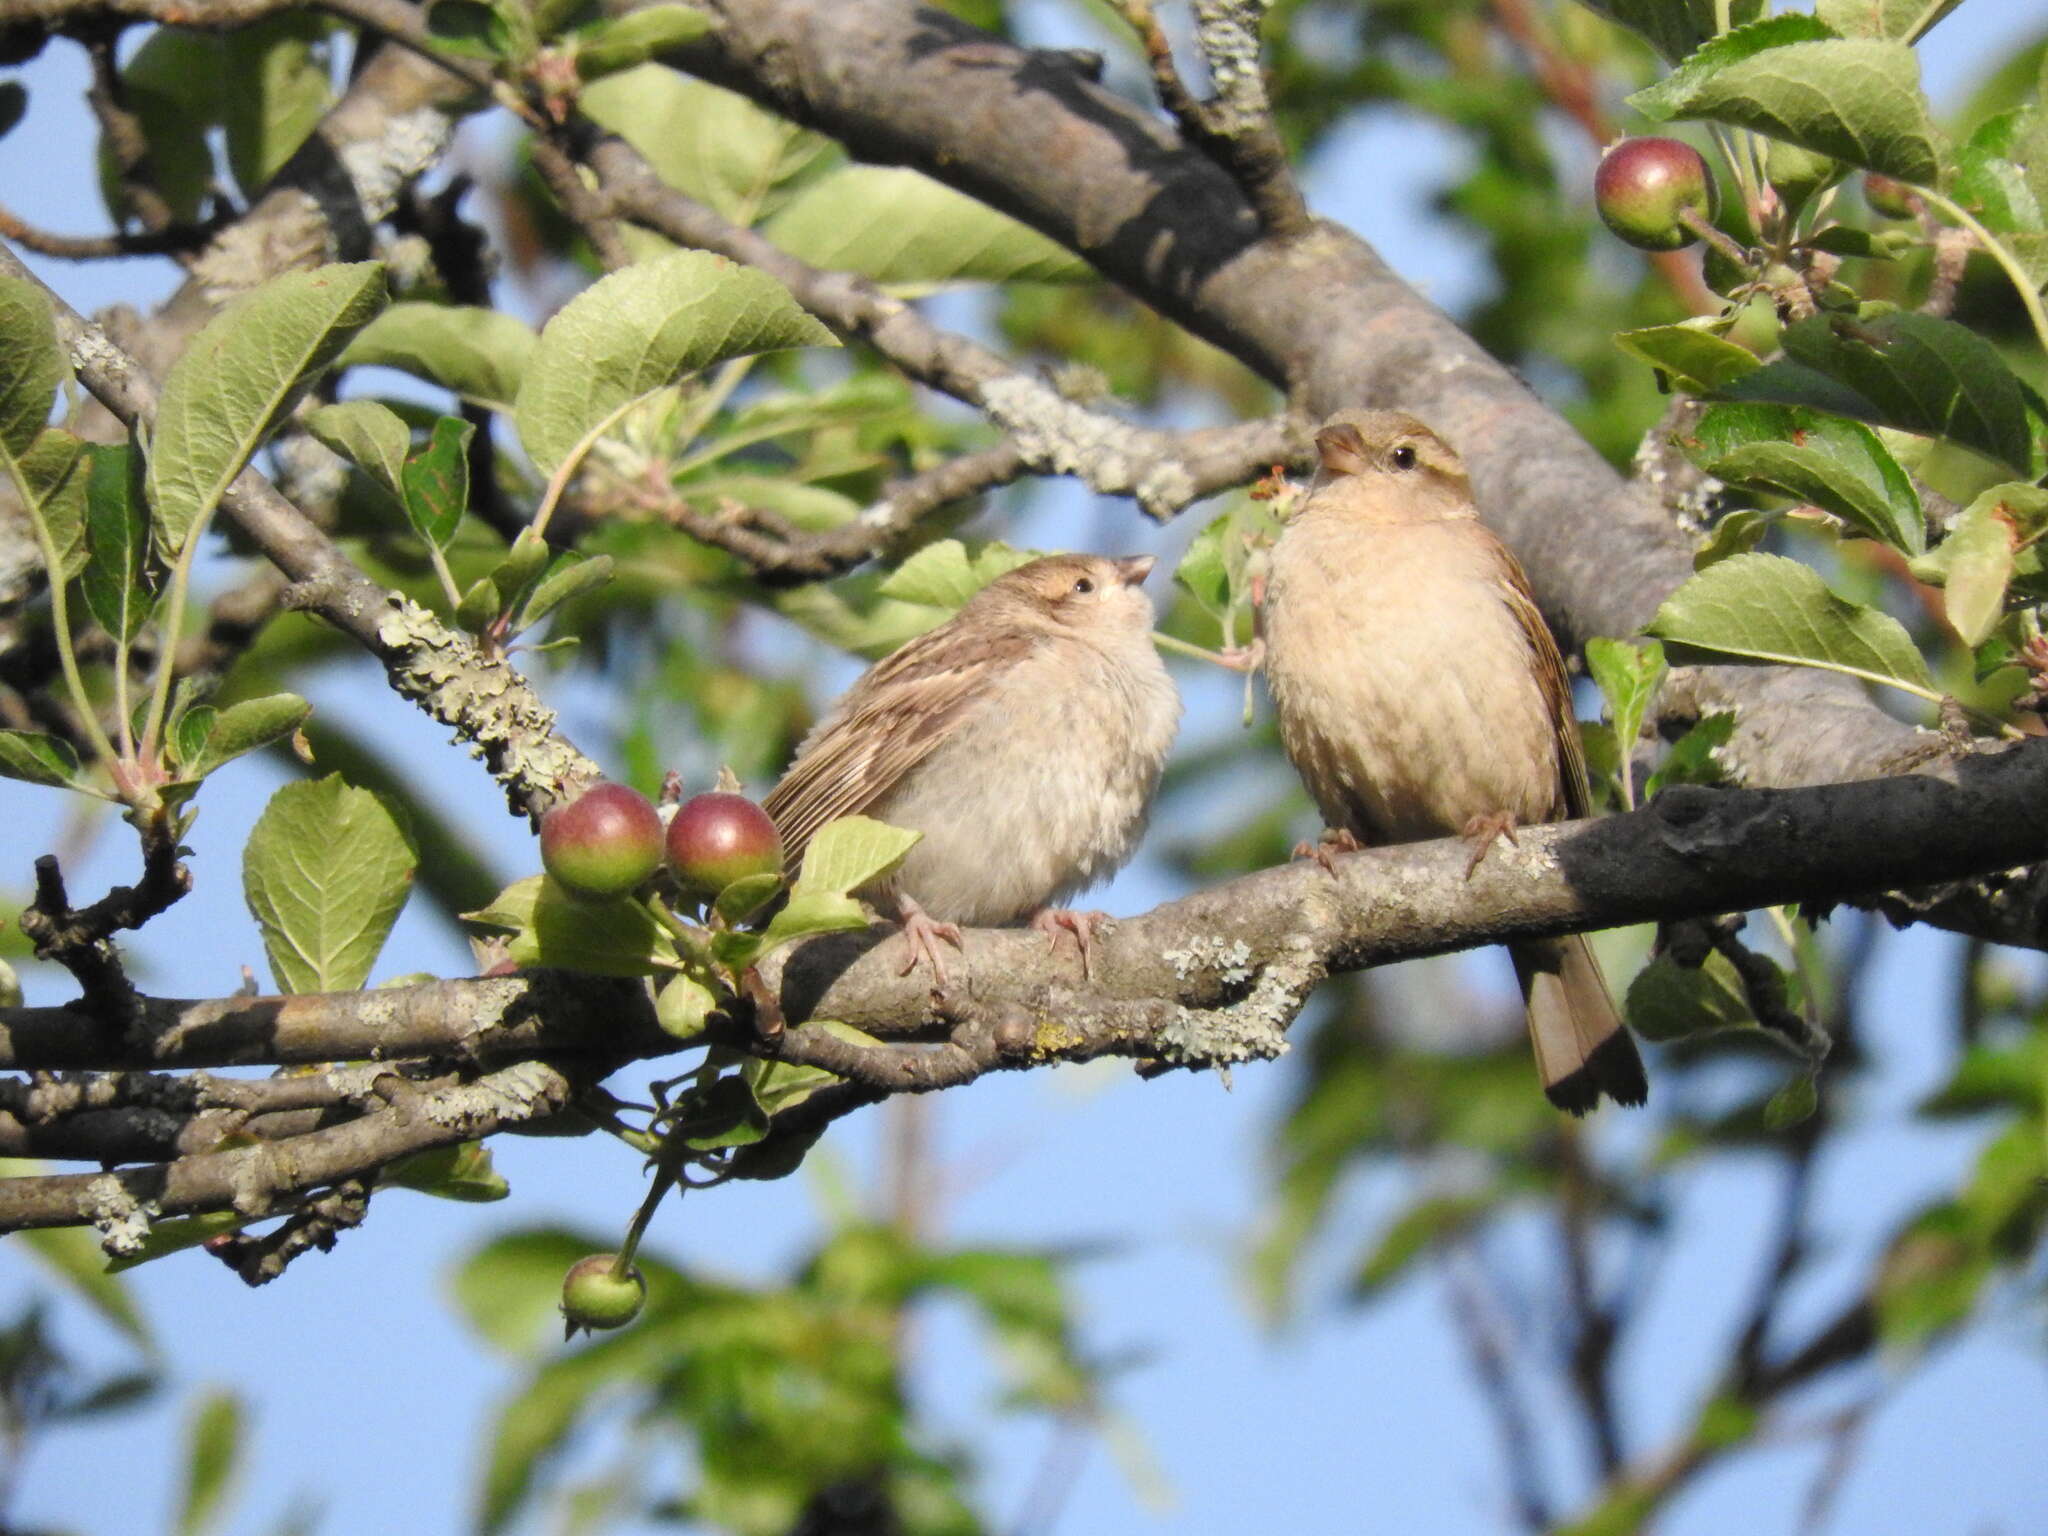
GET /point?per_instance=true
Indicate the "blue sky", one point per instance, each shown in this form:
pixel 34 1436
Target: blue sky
pixel 369 1399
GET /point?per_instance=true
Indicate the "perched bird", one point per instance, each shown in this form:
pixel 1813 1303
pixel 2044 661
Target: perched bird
pixel 1420 695
pixel 1023 737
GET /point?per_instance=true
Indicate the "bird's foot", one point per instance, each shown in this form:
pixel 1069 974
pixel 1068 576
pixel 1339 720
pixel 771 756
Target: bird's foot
pixel 921 935
pixel 1053 921
pixel 1243 658
pixel 1488 829
pixel 1324 850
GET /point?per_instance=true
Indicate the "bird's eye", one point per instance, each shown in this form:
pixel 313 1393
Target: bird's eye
pixel 1083 584
pixel 1403 457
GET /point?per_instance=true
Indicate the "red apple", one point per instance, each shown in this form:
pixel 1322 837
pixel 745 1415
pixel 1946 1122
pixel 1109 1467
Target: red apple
pixel 717 838
pixel 603 843
pixel 1643 185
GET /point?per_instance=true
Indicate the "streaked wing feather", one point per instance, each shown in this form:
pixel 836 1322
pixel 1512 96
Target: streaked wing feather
pixel 888 722
pixel 1556 684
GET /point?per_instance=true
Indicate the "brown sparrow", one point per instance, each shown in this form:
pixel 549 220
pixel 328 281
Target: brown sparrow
pixel 1023 737
pixel 1421 695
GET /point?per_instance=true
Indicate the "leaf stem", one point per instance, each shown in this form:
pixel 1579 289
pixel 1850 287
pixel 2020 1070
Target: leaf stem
pixel 558 482
pixel 172 630
pixel 2030 298
pixel 60 621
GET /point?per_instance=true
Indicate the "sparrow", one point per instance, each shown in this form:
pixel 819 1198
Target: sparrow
pixel 1023 737
pixel 1420 695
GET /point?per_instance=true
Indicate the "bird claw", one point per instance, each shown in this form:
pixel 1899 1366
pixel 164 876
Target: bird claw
pixel 1243 658
pixel 921 935
pixel 1052 921
pixel 1488 829
pixel 1323 850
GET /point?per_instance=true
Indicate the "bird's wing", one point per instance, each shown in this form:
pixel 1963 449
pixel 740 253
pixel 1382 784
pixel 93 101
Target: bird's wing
pixel 1551 678
pixel 890 721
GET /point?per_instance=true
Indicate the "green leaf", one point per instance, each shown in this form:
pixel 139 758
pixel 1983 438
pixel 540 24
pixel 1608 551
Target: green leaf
pixel 479 354
pixel 550 927
pixel 73 1255
pixel 370 435
pixel 279 70
pixel 620 42
pixel 31 367
pixel 1416 1232
pixel 1692 358
pixel 814 911
pixel 172 85
pixel 462 1172
pixel 1691 758
pixel 945 573
pixel 570 576
pixel 52 478
pixel 1837 465
pixel 1666 99
pixel 780 1085
pixel 898 226
pixel 484 29
pixel 1910 371
pixel 850 853
pixel 1674 27
pixel 642 329
pixel 36 758
pixel 1628 677
pixel 722 1114
pixel 509 1290
pixel 213 1454
pixel 711 144
pixel 682 1006
pixel 1791 1104
pixel 436 481
pixel 1974 564
pixel 177 1234
pixel 1991 177
pixel 326 870
pixel 1930 1278
pixel 1734 533
pixel 1905 20
pixel 120 579
pixel 1853 98
pixel 239 376
pixel 1668 1001
pixel 743 898
pixel 1767 608
pixel 479 607
pixel 244 727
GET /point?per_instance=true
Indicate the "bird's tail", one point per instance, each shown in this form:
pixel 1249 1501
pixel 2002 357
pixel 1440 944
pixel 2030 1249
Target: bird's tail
pixel 1582 1048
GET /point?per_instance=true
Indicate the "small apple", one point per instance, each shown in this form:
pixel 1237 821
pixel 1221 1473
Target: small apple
pixel 602 843
pixel 594 1296
pixel 1642 187
pixel 1893 199
pixel 717 838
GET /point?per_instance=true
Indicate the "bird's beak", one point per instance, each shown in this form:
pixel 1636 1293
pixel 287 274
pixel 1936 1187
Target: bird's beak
pixel 1341 450
pixel 1133 569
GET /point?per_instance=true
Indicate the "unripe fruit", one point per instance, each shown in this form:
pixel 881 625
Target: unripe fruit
pixel 594 1297
pixel 717 838
pixel 1799 173
pixel 602 843
pixel 1893 199
pixel 1644 184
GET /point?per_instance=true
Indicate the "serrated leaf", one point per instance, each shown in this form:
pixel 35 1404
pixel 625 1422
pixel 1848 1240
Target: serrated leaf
pixel 246 726
pixel 326 871
pixel 187 732
pixel 1628 677
pixel 119 579
pixel 479 607
pixel 32 367
pixel 1767 608
pixel 1837 465
pixel 571 576
pixel 1734 533
pixel 945 573
pixel 847 854
pixel 1691 759
pixel 642 329
pixel 806 913
pixel 743 898
pixel 370 435
pixel 213 1454
pixel 1911 371
pixel 462 1172
pixel 1668 1001
pixel 1695 360
pixel 1991 177
pixel 479 354
pixel 1674 27
pixel 780 1085
pixel 281 91
pixel 36 758
pixel 52 478
pixel 552 928
pixel 240 375
pixel 436 481
pixel 620 42
pixel 894 225
pixel 1856 99
pixel 712 144
pixel 1905 20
